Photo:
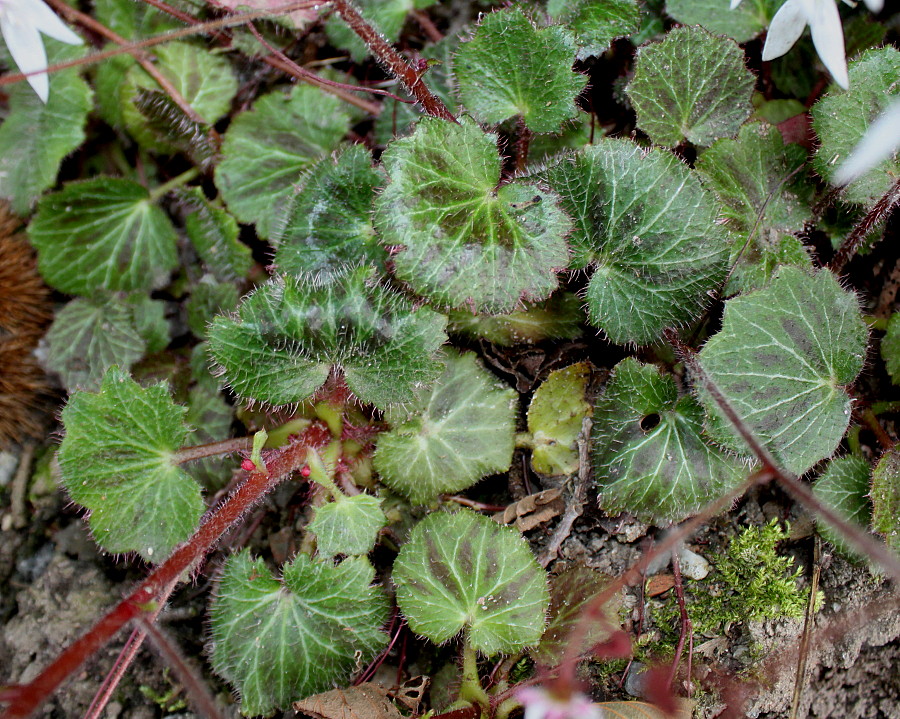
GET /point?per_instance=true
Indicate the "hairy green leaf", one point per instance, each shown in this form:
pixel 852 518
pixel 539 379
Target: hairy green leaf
pixel 348 525
pixel 890 348
pixel 214 234
pixel 267 150
pixel 451 435
pixel 844 487
pixel 292 331
pixel 328 222
pixel 464 571
pixel 35 137
pixel 691 86
pixel 463 241
pixel 596 23
pixel 651 456
pixel 278 641
pixel 116 460
pixel 650 227
pixel 741 24
pixel 842 117
pixel 755 265
pixel 103 234
pixel 559 317
pixel 885 495
pixel 555 415
pixel 209 298
pixel 512 68
pixel 782 360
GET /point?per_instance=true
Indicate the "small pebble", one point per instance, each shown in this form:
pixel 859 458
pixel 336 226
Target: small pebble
pixel 692 564
pixel 636 680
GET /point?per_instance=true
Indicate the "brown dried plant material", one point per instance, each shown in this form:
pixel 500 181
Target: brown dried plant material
pixel 411 692
pixel 366 701
pixel 533 510
pixel 660 584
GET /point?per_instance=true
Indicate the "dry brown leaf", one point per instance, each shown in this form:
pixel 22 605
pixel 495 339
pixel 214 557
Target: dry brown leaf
pixel 659 584
pixel 410 693
pixel 533 510
pixel 366 701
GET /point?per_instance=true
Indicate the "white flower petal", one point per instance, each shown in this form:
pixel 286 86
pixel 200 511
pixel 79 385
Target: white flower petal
pixel 786 28
pixel 45 20
pixel 828 37
pixel 880 141
pixel 875 5
pixel 27 49
pixel 735 3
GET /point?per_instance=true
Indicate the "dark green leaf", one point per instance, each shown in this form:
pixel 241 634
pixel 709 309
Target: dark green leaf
pixel 596 23
pixel 741 24
pixel 214 235
pixel 844 487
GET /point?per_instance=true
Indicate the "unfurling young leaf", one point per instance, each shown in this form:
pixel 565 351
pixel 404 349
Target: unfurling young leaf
pixel 214 235
pixel 557 318
pixel 292 331
pixel 451 435
pixel 596 23
pixel 463 241
pixel 464 572
pixel 117 461
pixel 651 456
pixel 348 525
pixel 782 360
pixel 512 68
pixel 844 487
pixel 103 234
pixel 691 86
pixel 650 228
pixel 885 495
pixel 279 641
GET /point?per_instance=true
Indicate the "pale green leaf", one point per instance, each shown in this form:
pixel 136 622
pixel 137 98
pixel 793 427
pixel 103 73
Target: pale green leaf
pixel 454 433
pixel 650 228
pixel 844 487
pixel 559 317
pixel 464 571
pixel 783 359
pixel 279 641
pixel 149 318
pixel 34 137
pixel 103 234
pixel 842 117
pixel 596 23
pixel 741 24
pixel 651 456
pixel 117 460
pixel 555 415
pixel 328 222
pixel 267 149
pixel 348 525
pixel 215 236
pixel 292 331
pixel 464 242
pixel 691 86
pixel 885 495
pixel 512 68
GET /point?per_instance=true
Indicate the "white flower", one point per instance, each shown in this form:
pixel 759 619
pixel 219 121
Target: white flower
pixel 880 141
pixel 540 704
pixel 21 24
pixel 873 5
pixel 827 34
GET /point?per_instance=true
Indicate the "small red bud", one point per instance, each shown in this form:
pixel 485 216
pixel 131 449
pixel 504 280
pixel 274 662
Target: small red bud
pixel 248 465
pixel 305 472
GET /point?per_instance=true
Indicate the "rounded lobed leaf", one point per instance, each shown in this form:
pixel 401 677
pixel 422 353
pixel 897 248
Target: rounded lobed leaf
pixel 328 224
pixel 512 68
pixel 596 23
pixel 281 641
pixel 841 118
pixel 464 571
pixel 782 359
pixel 451 435
pixel 267 150
pixel 463 241
pixel 103 234
pixel 651 457
pixel 741 23
pixel 650 228
pixel 691 86
pixel 844 486
pixel 885 495
pixel 348 525
pixel 116 460
pixel 291 331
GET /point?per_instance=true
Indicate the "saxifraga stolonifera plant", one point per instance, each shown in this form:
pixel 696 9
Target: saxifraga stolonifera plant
pixel 478 222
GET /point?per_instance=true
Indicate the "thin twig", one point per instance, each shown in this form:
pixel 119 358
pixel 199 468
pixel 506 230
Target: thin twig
pixel 808 620
pixel 428 27
pixel 201 451
pixel 19 487
pixel 687 629
pixel 858 234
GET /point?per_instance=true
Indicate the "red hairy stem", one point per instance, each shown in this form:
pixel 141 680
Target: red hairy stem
pixel 858 234
pixel 393 61
pixel 25 699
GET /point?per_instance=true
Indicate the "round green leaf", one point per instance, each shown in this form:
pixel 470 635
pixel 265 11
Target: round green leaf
pixel 649 226
pixel 512 68
pixel 842 117
pixel 293 330
pixel 267 150
pixel 651 457
pixel 885 494
pixel 596 23
pixel 691 86
pixel 279 641
pixel 741 24
pixel 464 571
pixel 328 224
pixel 555 415
pixel 451 435
pixel 844 487
pixel 782 360
pixel 116 460
pixel 103 234
pixel 348 525
pixel 463 241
